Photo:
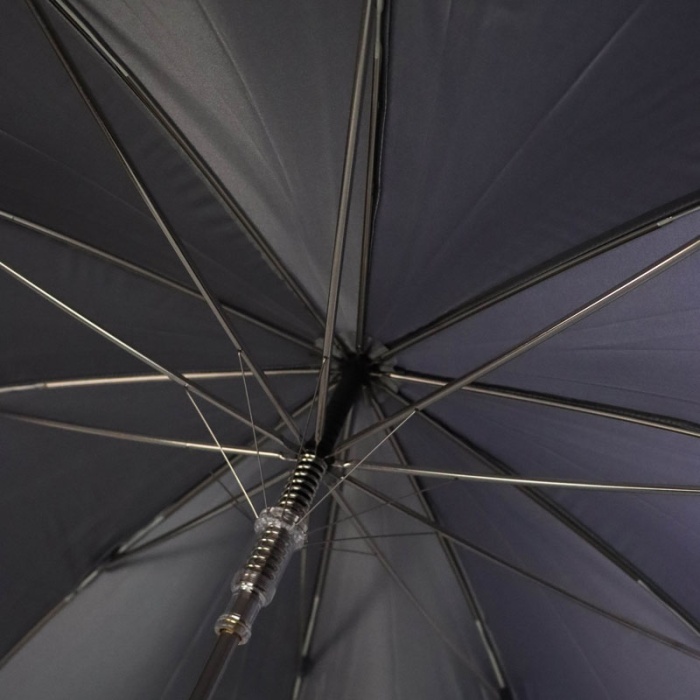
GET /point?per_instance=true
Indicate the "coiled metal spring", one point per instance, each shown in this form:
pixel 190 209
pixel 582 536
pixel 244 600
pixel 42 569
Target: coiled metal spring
pixel 302 485
pixel 267 559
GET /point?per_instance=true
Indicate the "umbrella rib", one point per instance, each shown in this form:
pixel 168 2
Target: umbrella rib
pixel 533 341
pixel 213 181
pixel 329 335
pixel 357 465
pixel 372 545
pixel 391 535
pixel 526 481
pixel 567 519
pixel 140 437
pixel 225 456
pixel 527 575
pixel 461 577
pixel 319 590
pixel 172 375
pixel 158 278
pixel 652 222
pixel 255 432
pixel 650 420
pixel 159 216
pixel 114 380
pixel 198 488
pixel 373 157
pixel 411 494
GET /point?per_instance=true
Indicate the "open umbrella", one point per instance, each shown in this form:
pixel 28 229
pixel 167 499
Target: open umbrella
pixel 406 287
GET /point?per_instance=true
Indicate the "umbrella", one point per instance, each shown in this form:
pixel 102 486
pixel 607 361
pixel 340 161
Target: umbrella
pixel 432 260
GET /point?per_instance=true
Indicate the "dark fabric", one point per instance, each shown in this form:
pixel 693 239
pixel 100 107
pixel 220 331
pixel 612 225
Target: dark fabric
pixel 511 135
pixel 132 648
pixel 263 92
pixel 653 531
pixel 517 132
pixel 640 352
pixel 362 605
pixel 228 261
pixel 472 342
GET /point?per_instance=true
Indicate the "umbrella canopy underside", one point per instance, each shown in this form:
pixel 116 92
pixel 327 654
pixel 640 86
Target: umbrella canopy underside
pixel 213 213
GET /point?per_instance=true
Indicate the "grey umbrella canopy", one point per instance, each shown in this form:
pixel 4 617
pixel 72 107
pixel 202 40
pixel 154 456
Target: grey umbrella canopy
pixel 214 213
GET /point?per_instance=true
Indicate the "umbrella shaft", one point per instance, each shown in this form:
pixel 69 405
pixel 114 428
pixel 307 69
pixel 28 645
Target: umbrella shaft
pixel 216 665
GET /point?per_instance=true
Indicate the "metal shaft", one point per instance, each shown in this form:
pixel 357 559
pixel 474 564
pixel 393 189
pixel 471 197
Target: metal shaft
pixel 280 531
pixel 217 663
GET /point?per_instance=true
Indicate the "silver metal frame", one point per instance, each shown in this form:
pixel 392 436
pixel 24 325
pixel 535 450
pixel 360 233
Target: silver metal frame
pixel 85 382
pixel 462 578
pixel 158 278
pixel 158 214
pixel 673 425
pixel 173 376
pixel 454 648
pixel 548 332
pixel 144 439
pixel 524 574
pixel 411 470
pixel 556 510
pixel 342 220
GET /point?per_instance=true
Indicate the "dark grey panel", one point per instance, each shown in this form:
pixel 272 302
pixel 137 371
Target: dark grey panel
pixel 518 133
pixel 465 346
pixel 57 168
pixel 555 649
pixel 653 531
pixel 263 93
pixel 173 329
pixel 508 524
pixel 228 261
pixel 67 501
pixel 640 352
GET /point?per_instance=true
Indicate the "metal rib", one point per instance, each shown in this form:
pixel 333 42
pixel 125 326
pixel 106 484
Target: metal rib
pixel 144 379
pixel 372 545
pixel 526 481
pixel 342 220
pixel 524 574
pixel 370 195
pixel 540 274
pixel 158 278
pixel 192 493
pixel 461 577
pixel 173 376
pixel 159 216
pixel 139 437
pixel 319 590
pixel 50 615
pixel 567 519
pixel 215 184
pixel 649 420
pixel 606 298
